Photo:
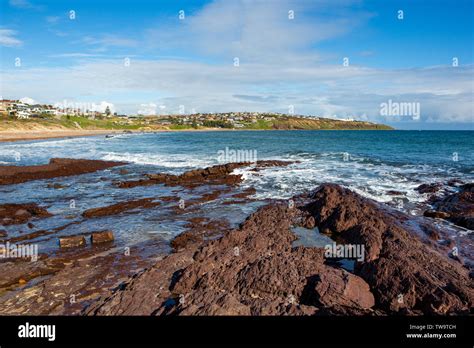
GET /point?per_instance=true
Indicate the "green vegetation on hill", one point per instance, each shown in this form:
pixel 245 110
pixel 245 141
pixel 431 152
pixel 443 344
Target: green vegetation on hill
pixel 266 122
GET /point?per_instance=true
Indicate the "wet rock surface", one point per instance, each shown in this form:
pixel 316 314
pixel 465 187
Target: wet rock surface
pixel 57 167
pixel 429 188
pixel 11 214
pixel 254 270
pixel 458 207
pixel 72 242
pixel 102 237
pixel 216 175
pixel 120 208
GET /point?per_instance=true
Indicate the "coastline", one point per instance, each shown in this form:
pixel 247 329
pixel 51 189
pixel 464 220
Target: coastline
pixel 24 135
pixel 12 136
pixel 90 264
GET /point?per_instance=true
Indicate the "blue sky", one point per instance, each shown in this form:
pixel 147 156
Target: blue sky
pixel 283 62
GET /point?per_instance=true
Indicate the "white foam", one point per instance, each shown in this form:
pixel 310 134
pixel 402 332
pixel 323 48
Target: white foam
pixel 167 161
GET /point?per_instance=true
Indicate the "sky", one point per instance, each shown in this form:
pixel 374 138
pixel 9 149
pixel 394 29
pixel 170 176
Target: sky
pixel 327 58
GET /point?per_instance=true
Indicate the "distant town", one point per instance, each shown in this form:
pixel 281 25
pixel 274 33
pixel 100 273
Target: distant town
pixel 84 118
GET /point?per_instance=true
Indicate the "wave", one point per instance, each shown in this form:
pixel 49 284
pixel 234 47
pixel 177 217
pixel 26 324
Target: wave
pixel 161 160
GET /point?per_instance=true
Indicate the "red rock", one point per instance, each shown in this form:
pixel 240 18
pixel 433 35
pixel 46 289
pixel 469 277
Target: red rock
pixel 12 214
pixel 436 214
pixel 121 207
pixel 102 237
pixel 429 188
pixel 72 242
pixel 184 240
pixel 216 175
pixel 254 270
pixel 57 167
pixel 397 261
pixel 339 287
pixel 458 207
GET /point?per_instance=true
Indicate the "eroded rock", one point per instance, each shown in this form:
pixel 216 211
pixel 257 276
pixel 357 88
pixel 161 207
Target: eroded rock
pixel 57 167
pixel 72 241
pixel 121 207
pixel 102 237
pixel 13 214
pixel 215 175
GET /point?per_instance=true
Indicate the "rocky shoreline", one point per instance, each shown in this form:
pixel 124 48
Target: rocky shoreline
pixel 409 265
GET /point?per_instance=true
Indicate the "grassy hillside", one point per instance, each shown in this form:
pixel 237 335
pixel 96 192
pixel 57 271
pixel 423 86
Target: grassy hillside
pixel 153 123
pixel 304 123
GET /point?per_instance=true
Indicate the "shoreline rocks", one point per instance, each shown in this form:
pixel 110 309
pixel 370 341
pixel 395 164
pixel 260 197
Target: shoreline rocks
pixel 215 175
pixel 254 270
pixel 72 241
pixel 457 207
pixel 102 237
pixel 14 214
pixel 121 207
pixel 57 167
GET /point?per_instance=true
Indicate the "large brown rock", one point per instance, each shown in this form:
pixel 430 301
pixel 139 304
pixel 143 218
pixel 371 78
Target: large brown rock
pixel 339 287
pixel 72 241
pixel 403 272
pixel 458 207
pixel 102 237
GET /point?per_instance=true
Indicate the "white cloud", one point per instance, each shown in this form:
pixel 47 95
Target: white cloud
pixel 28 100
pixel 107 40
pixel 20 3
pixel 258 31
pixel 7 38
pixel 102 106
pixel 147 109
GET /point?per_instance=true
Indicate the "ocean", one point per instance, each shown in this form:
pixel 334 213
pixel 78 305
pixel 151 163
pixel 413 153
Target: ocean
pixel 372 163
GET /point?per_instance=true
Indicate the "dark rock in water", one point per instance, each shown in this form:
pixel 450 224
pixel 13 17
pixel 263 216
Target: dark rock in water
pixel 395 193
pixel 3 233
pixel 254 270
pixel 57 167
pixel 458 207
pixel 436 214
pixel 215 175
pixel 55 186
pixel 429 188
pixel 13 214
pixel 121 207
pixel 72 242
pixel 455 182
pixel 102 237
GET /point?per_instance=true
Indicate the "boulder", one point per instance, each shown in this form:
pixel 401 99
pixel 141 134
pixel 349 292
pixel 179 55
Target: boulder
pixel 72 241
pixel 102 237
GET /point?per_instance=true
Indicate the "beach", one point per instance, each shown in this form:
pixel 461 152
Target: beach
pixel 7 136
